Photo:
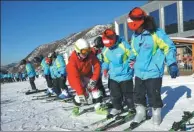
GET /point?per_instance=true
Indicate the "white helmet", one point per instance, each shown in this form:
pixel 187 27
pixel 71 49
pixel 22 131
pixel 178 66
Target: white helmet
pixel 81 44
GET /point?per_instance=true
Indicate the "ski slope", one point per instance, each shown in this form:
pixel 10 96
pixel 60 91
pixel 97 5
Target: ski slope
pixel 20 113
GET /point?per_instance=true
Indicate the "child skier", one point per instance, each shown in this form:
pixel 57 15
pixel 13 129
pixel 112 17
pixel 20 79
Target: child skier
pixel 116 64
pixel 151 49
pixel 97 50
pixel 45 64
pixel 30 72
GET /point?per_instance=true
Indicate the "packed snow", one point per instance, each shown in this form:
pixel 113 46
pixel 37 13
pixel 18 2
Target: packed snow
pixel 20 113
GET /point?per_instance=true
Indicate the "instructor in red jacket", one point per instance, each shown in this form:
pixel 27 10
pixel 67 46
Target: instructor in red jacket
pixel 83 72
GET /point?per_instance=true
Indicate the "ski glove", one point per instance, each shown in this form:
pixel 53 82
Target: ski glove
pixel 173 70
pixel 91 84
pixel 82 99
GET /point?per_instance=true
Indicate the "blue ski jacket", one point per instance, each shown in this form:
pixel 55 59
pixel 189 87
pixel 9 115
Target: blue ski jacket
pixel 59 66
pixel 52 69
pixel 151 52
pixel 116 61
pixel 30 70
pixel 45 67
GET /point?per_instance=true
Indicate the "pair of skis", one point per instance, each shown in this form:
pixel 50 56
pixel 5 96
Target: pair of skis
pixel 51 98
pixel 117 121
pixel 42 97
pixel 34 91
pixel 181 125
pixel 112 122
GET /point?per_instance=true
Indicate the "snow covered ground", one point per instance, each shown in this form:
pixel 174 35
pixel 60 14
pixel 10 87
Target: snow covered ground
pixel 19 112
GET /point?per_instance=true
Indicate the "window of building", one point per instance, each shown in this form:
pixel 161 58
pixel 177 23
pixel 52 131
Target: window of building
pixel 188 15
pixel 121 30
pixel 170 15
pixel 155 14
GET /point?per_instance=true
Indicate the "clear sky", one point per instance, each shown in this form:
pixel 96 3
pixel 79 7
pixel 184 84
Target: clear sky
pixel 26 24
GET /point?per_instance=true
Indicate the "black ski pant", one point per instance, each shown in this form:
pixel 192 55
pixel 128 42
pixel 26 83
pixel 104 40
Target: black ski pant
pixel 121 92
pixel 49 81
pixel 59 83
pixel 151 87
pixel 32 79
pixel 101 86
pixel 56 89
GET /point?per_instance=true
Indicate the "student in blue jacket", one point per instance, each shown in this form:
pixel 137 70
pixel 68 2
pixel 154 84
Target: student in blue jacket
pixel 152 48
pixel 59 72
pixel 45 63
pixel 97 50
pixel 116 58
pixel 30 72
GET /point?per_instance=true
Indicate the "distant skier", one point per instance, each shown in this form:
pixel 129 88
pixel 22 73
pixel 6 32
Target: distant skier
pixel 83 71
pixel 23 76
pixel 17 77
pixel 97 50
pixel 152 48
pixel 59 71
pixel 45 63
pixel 116 63
pixel 20 76
pixel 30 72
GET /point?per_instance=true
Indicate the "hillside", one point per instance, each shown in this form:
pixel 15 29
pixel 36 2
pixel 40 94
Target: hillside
pixel 61 46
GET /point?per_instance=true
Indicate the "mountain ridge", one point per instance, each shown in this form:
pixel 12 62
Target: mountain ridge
pixel 60 46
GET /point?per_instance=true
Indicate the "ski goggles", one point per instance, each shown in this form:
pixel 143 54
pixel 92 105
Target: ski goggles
pixel 85 51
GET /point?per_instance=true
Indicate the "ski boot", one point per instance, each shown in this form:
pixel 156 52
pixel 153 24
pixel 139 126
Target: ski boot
pixel 50 92
pixel 131 111
pixel 156 116
pixel 34 90
pixel 100 109
pixel 113 113
pixel 75 111
pixel 140 115
pixel 64 95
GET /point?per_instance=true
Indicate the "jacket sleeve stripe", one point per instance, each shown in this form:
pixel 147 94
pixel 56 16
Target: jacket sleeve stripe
pixel 161 44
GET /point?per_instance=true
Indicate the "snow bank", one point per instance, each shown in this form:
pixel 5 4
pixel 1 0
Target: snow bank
pixel 20 113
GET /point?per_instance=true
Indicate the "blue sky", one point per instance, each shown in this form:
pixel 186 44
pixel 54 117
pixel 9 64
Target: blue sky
pixel 26 25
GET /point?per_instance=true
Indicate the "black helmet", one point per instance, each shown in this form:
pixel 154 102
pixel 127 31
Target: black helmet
pixel 98 42
pixel 23 62
pixel 41 57
pixel 37 59
pixel 52 55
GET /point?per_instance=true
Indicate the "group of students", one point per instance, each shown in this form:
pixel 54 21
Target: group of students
pixel 54 71
pixel 143 59
pixel 12 77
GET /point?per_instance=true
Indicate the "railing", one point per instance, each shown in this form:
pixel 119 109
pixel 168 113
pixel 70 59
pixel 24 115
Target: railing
pixel 185 68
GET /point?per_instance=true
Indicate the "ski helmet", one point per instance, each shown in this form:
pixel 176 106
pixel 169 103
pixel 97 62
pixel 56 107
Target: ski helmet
pixel 109 38
pixel 38 59
pixel 98 42
pixel 136 18
pixel 41 57
pixel 52 55
pixel 23 62
pixel 82 46
pixel 48 60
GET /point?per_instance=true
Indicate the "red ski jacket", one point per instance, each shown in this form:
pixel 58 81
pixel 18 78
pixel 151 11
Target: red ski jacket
pixel 78 68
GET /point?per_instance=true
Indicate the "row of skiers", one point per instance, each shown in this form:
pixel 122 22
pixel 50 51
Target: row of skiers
pixel 12 77
pixel 143 59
